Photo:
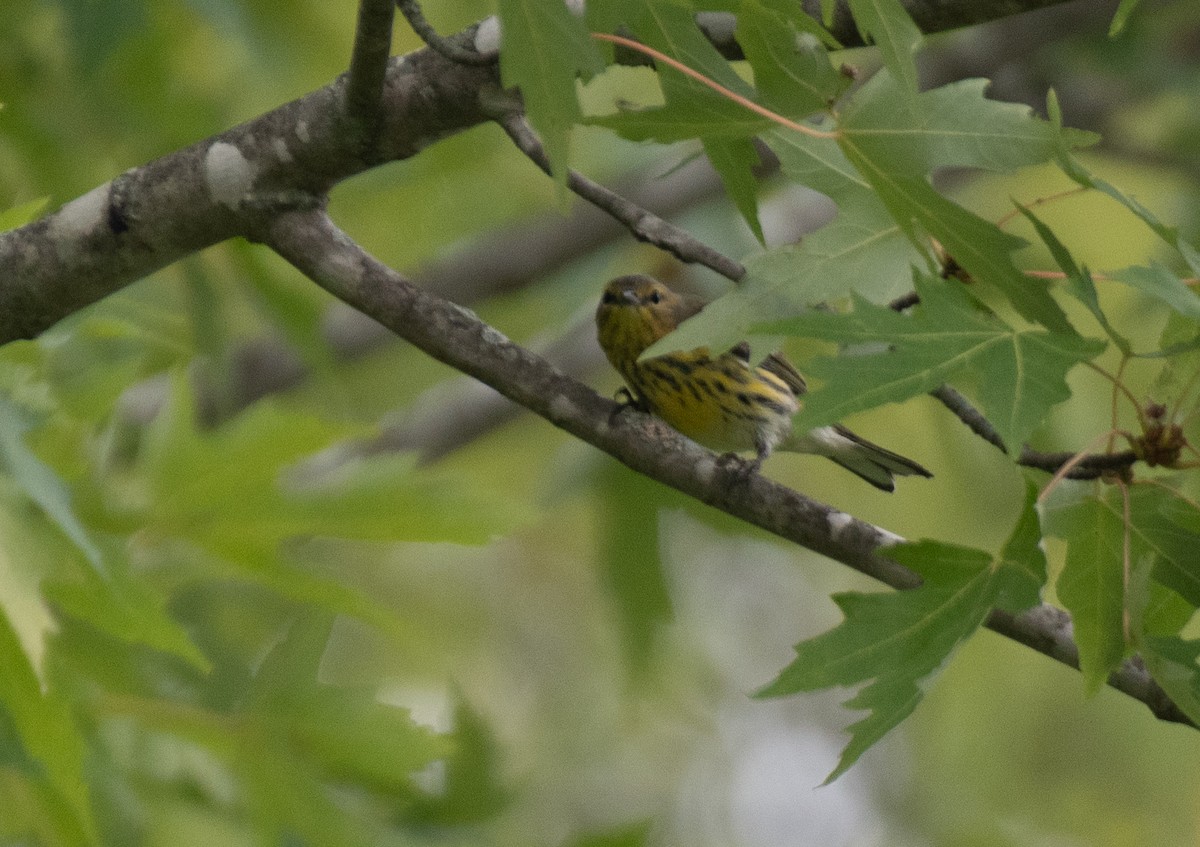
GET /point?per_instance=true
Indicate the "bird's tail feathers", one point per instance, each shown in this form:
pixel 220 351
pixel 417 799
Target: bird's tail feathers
pixel 877 465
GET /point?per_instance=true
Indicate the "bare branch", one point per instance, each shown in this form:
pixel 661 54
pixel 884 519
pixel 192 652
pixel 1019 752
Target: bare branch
pixel 368 67
pixel 311 242
pixel 644 225
pixel 1089 467
pixel 155 214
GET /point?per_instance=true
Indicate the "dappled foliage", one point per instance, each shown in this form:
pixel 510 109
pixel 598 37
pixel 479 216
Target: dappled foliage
pixel 233 612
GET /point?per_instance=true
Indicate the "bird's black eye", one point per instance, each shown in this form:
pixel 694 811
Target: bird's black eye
pixel 608 298
pixel 655 297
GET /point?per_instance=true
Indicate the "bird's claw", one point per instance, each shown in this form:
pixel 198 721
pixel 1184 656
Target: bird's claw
pixel 738 468
pixel 626 400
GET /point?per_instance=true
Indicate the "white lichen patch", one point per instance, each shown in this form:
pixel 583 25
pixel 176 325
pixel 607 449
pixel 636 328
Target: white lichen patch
pixel 228 174
pixel 838 521
pixel 487 37
pixel 706 469
pixel 887 538
pixel 302 131
pixel 341 266
pixel 79 217
pixel 562 409
pixel 281 150
pixel 576 7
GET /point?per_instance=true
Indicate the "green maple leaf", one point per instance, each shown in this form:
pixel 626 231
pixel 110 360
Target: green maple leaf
pixel 897 142
pixel 235 495
pixel 895 641
pixel 671 28
pixel 1108 555
pixel 1091 585
pixel 1169 526
pixel 886 24
pixel 1020 373
pixel 792 71
pixel 877 173
pixel 862 250
pixel 544 48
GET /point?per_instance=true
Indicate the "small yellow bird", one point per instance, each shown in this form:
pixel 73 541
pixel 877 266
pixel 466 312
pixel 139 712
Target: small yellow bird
pixel 725 403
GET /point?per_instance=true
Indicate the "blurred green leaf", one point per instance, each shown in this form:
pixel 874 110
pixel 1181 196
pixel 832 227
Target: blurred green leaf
pixel 16 216
pixel 629 556
pixel 40 483
pixel 895 641
pixel 127 608
pixel 473 790
pixel 1121 17
pixel 234 492
pixel 634 835
pixel 345 732
pixel 1163 285
pixel 47 741
pixel 99 27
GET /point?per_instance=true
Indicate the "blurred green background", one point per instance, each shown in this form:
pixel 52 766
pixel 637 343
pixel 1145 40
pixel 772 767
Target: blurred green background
pixel 576 646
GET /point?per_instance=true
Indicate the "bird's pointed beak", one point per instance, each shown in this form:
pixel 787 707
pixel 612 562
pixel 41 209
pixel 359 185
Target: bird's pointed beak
pixel 629 296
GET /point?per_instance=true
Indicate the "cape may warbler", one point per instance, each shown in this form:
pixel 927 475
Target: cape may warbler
pixel 725 402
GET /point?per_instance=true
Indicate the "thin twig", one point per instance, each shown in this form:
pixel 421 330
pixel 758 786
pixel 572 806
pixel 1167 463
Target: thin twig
pixel 368 67
pixel 447 48
pixel 969 415
pixel 1086 466
pixel 644 225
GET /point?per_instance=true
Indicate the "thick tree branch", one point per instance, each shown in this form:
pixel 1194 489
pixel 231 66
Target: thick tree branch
pixel 155 214
pixel 311 242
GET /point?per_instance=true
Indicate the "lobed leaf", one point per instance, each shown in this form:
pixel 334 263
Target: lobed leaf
pixel 1092 584
pixel 1021 374
pixel 895 641
pixel 544 48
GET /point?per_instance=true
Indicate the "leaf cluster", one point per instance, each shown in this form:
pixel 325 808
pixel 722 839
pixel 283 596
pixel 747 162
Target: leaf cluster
pixel 980 324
